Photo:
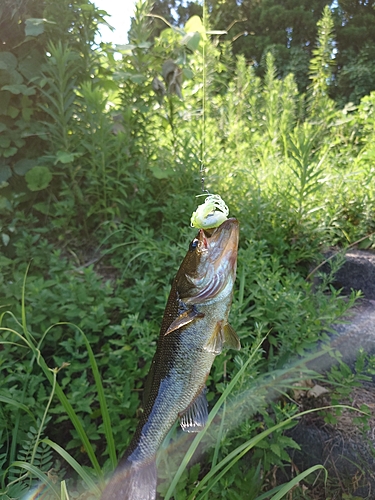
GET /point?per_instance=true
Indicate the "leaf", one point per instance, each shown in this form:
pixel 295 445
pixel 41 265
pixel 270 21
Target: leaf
pixel 7 153
pixel 103 405
pixel 122 75
pixel 38 178
pixel 19 143
pixel 12 111
pixel 42 207
pixel 8 61
pixel 317 391
pixel 19 89
pixel 137 78
pixel 34 26
pixel 161 173
pixel 11 77
pixel 64 491
pixel 126 47
pixel 87 7
pixel 191 41
pixel 6 238
pixel 30 66
pixel 4 142
pixel 188 74
pixel 144 45
pixel 4 261
pixel 276 449
pixel 194 24
pixel 27 113
pixel 65 157
pixel 23 166
pixel 168 68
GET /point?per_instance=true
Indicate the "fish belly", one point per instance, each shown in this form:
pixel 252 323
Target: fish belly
pixel 176 391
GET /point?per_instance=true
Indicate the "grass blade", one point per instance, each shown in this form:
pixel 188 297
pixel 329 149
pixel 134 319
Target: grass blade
pixel 64 491
pixel 73 417
pixel 67 406
pixel 266 495
pixel 103 404
pixel 75 465
pixel 240 451
pixel 288 486
pixel 20 406
pixel 35 471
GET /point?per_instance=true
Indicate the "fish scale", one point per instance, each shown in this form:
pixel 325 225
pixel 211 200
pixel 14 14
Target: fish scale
pixel 194 330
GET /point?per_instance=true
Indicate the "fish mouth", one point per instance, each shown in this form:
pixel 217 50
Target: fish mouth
pixel 222 242
pixel 218 271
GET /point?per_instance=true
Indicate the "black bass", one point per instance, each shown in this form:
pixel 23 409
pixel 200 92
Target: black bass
pixel 194 330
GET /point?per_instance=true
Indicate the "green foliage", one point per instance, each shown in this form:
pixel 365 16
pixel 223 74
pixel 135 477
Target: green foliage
pixel 342 380
pixel 321 65
pixel 289 31
pixel 307 172
pixel 57 86
pixel 355 79
pixel 355 47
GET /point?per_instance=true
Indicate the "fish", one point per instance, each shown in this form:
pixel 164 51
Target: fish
pixel 193 332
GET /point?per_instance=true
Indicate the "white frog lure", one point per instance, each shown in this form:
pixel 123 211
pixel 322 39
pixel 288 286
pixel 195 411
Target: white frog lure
pixel 210 214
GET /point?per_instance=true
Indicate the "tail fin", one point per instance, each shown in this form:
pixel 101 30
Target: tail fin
pixel 132 481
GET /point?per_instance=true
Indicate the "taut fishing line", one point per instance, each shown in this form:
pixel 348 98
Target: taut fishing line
pixel 213 212
pixel 203 131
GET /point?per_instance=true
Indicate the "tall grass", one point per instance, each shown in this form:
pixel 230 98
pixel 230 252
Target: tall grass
pixel 260 394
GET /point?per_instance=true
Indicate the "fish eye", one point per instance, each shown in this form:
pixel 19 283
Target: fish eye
pixel 193 244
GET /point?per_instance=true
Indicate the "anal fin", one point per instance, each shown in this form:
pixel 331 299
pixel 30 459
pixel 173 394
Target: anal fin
pixel 195 416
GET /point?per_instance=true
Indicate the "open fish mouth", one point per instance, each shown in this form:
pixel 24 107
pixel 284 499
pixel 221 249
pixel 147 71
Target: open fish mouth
pixel 219 246
pixel 222 244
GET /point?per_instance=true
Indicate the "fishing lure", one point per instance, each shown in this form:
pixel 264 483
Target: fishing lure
pixel 210 214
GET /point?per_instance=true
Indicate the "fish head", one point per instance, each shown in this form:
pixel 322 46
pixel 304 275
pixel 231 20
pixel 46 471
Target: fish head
pixel 208 271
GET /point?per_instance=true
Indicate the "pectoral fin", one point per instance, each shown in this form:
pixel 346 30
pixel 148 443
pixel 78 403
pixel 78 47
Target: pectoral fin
pixel 184 319
pixel 231 340
pixel 195 416
pixel 223 337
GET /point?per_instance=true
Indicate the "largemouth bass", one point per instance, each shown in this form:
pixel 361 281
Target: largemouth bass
pixel 194 330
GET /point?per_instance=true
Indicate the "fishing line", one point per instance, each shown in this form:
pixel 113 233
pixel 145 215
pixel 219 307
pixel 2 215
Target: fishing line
pixel 213 212
pixel 202 170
